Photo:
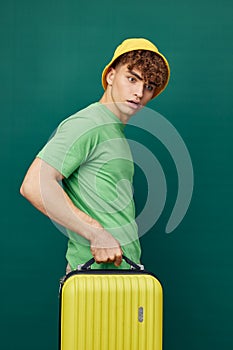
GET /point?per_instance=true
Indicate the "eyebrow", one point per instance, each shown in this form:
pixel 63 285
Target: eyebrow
pixel 139 77
pixel 135 74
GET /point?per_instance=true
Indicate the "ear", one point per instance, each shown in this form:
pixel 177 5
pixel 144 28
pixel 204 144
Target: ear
pixel 110 76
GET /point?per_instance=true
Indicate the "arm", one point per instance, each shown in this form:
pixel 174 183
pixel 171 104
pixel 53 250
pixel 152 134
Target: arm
pixel 41 187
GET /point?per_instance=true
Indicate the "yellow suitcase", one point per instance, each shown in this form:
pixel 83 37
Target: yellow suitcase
pixel 110 309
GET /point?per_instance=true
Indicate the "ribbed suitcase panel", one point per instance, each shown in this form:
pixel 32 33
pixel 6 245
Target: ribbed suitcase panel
pixel 111 312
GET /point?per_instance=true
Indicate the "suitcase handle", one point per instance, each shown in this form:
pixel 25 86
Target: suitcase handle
pixel 133 265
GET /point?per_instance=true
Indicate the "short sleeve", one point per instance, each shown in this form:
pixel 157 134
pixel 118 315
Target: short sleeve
pixel 70 147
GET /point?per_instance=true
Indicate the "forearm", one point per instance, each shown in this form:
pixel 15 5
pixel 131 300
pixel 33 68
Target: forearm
pixel 58 206
pixel 41 187
pixel 49 197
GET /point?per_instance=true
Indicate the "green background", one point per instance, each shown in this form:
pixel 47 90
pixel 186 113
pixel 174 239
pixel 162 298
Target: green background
pixel 52 55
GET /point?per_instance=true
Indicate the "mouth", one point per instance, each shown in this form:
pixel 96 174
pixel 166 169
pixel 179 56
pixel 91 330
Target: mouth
pixel 134 104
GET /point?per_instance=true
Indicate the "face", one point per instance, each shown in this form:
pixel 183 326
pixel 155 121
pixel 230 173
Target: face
pixel 127 92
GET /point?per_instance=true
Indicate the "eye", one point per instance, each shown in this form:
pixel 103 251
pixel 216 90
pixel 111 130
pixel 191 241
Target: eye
pixel 149 87
pixel 131 79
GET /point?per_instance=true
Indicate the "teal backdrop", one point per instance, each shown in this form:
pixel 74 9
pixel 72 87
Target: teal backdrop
pixel 52 56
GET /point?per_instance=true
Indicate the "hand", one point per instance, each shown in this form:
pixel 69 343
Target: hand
pixel 105 248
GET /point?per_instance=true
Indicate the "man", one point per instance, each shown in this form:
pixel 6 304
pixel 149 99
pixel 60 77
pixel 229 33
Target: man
pixel 90 155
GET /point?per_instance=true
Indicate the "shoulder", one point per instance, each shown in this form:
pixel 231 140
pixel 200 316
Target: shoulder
pixel 82 121
pixel 92 119
pixel 84 114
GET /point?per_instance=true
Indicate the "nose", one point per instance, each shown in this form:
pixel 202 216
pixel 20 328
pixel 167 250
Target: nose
pixel 139 89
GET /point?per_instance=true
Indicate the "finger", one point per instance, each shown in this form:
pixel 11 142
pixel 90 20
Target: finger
pixel 118 260
pixel 101 256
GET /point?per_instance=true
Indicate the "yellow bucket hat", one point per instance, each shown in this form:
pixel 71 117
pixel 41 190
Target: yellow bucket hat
pixel 135 44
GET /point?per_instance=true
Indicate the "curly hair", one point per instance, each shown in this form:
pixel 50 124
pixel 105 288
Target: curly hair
pixel 152 66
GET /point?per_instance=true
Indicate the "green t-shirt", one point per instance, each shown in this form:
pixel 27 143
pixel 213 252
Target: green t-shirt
pixel 90 150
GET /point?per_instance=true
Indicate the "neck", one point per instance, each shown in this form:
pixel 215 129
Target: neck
pixel 112 106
